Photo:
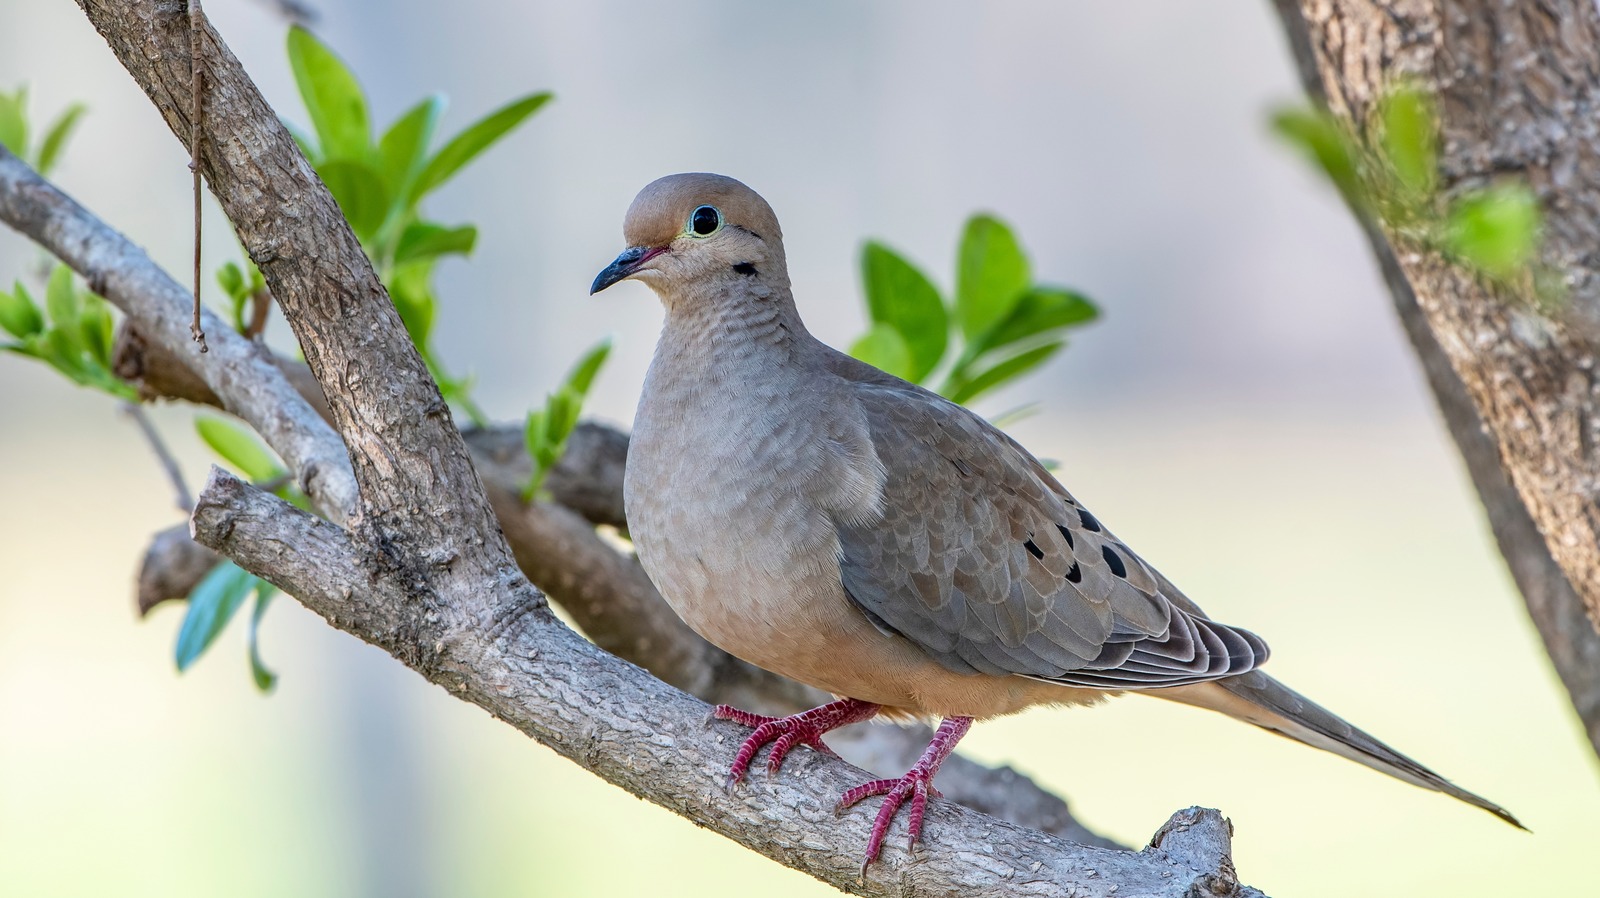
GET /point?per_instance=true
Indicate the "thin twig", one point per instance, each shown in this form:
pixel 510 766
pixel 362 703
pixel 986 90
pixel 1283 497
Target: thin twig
pixel 196 75
pixel 293 10
pixel 260 310
pixel 169 464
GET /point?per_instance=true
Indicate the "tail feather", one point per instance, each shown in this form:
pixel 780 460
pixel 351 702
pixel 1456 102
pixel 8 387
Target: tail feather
pixel 1257 698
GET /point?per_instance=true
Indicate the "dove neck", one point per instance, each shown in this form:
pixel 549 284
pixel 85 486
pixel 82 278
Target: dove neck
pixel 734 317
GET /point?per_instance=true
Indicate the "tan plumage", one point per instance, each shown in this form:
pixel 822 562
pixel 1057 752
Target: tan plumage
pixel 824 520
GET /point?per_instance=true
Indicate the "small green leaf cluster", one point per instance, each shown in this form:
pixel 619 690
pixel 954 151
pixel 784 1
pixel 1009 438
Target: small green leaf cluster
pixel 218 597
pixel 998 326
pixel 380 184
pixel 14 131
pixel 1492 231
pixel 240 284
pixel 547 429
pixel 73 333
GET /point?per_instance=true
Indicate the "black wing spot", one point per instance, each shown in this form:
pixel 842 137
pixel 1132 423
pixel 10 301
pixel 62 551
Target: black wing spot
pixel 1066 535
pixel 1033 549
pixel 962 468
pixel 745 268
pixel 1089 522
pixel 1115 561
pixel 1075 574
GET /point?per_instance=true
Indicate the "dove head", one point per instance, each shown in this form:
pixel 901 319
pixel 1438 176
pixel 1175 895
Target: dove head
pixel 687 233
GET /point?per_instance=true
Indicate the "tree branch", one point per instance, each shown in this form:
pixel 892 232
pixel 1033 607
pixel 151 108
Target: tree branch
pixel 239 372
pixel 510 656
pixel 1517 88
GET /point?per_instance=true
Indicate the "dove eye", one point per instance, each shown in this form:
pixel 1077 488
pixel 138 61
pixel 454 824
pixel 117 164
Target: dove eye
pixel 705 221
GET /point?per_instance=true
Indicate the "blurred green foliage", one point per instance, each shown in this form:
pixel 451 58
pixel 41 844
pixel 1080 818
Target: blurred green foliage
pixel 547 429
pixel 72 333
pixel 998 326
pixel 15 128
pixel 1492 231
pixel 218 597
pixel 380 185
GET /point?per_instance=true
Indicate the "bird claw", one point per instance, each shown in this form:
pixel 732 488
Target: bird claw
pixel 784 733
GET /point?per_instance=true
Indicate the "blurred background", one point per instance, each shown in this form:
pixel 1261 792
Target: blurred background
pixel 1247 415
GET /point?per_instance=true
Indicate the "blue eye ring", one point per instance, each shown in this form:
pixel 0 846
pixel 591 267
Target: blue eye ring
pixel 704 221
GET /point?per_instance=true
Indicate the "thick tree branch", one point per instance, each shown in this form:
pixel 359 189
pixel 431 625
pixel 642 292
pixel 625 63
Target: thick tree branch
pixel 510 656
pixel 1517 85
pixel 241 373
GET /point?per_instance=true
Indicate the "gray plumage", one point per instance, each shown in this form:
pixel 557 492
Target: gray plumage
pixel 824 520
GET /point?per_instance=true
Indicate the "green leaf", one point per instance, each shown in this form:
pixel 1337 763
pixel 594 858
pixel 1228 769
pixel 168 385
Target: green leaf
pixel 211 605
pixel 1408 140
pixel 883 348
pixel 1319 135
pixel 63 349
pixel 19 317
pixel 583 373
pixel 991 274
pixel 1040 310
pixel 405 145
pixel 411 289
pixel 970 388
pixel 332 96
pixel 14 122
pixel 426 240
pixel 230 277
pixel 362 197
pixel 264 678
pixel 94 323
pixel 238 448
pixel 55 139
pixel 60 299
pixel 1496 231
pixel 903 298
pixel 476 138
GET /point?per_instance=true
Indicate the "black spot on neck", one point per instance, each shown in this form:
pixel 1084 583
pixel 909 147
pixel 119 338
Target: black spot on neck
pixel 745 268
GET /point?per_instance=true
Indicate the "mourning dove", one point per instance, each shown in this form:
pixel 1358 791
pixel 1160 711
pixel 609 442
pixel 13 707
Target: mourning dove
pixel 832 523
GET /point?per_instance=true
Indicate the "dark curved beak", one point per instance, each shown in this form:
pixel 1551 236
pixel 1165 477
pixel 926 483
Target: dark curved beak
pixel 624 265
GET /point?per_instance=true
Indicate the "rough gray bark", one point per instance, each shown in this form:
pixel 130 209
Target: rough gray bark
pixel 1516 86
pixel 424 571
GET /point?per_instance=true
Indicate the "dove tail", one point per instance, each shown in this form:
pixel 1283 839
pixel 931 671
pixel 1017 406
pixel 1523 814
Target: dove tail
pixel 1257 698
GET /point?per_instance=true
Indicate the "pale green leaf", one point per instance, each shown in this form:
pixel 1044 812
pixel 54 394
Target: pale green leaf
pixel 211 605
pixel 969 389
pixel 476 138
pixel 903 298
pixel 991 274
pixel 55 139
pixel 404 146
pixel 883 348
pixel 239 448
pixel 333 97
pixel 362 196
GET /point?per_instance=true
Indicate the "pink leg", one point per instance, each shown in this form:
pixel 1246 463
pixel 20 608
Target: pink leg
pixel 784 733
pixel 917 785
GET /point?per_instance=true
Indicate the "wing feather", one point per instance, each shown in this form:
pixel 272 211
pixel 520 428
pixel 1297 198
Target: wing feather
pixel 983 560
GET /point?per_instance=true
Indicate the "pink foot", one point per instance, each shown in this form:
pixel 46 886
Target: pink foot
pixel 784 733
pixel 916 785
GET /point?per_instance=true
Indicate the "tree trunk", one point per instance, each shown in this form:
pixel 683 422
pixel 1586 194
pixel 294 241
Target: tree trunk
pixel 1515 86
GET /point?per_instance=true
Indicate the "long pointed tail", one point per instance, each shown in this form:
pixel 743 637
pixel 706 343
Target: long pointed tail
pixel 1259 699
